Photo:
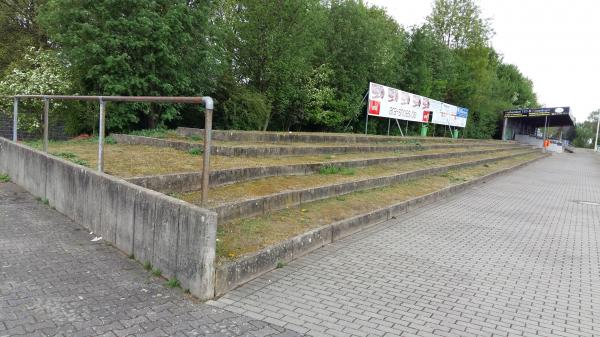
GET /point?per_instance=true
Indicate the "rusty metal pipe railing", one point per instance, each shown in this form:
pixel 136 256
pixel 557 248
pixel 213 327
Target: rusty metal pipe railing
pixel 206 100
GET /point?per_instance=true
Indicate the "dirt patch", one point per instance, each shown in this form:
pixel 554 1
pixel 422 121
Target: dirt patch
pixel 250 235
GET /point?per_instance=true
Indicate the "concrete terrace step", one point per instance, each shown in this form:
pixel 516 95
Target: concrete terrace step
pixel 308 137
pixel 277 201
pixel 282 150
pixel 192 181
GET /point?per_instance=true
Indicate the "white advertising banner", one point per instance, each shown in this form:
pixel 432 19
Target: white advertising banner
pixel 450 115
pixel 393 103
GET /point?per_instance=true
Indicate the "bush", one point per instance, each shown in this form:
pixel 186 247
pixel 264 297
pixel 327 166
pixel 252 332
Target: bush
pixel 246 110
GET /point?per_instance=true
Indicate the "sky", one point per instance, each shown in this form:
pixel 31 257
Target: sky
pixel 553 42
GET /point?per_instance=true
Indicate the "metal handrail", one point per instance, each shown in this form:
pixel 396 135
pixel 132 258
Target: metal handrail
pixel 206 100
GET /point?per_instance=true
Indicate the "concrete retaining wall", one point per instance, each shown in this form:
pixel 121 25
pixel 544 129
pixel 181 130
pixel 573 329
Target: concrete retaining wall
pixel 260 151
pixel 308 137
pixel 233 274
pixel 176 237
pixel 192 181
pixel 273 202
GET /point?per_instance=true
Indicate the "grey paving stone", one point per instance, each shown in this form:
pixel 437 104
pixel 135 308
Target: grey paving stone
pixel 55 282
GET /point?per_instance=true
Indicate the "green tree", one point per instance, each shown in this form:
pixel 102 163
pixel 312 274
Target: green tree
pixel 429 65
pixel 585 132
pixel 458 23
pixel 38 72
pixel 19 31
pixel 134 47
pixel 362 44
pixel 271 46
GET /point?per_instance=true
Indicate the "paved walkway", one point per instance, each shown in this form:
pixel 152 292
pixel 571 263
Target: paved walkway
pixel 55 282
pixel 518 256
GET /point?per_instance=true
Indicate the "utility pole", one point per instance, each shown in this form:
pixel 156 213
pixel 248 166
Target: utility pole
pixel 597 128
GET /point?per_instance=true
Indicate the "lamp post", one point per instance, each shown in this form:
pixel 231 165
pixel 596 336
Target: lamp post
pixel 597 128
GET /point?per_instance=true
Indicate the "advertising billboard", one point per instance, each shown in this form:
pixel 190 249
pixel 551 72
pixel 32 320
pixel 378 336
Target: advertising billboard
pixel 393 103
pixel 450 115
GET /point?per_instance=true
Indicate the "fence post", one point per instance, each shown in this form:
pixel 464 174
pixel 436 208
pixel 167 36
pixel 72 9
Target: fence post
pixel 15 118
pixel 46 108
pixel 208 111
pixel 101 128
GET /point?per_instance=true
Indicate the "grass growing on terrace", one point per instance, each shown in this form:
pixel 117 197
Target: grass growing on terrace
pixel 140 160
pixel 261 187
pixel 250 235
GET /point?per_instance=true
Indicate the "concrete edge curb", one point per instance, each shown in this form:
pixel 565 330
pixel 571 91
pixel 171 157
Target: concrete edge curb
pixel 231 275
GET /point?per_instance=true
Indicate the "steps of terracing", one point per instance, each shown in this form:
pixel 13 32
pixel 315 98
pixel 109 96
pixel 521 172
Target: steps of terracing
pixel 308 137
pixel 190 181
pixel 251 149
pixel 264 195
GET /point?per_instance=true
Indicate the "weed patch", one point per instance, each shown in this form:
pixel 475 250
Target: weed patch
pixel 327 170
pixel 195 151
pixel 72 157
pixel 173 283
pixel 153 133
pixel 44 201
pixel 110 140
pixel 4 178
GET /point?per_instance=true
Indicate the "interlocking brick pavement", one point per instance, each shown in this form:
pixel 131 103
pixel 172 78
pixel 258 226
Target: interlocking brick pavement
pixel 55 282
pixel 518 256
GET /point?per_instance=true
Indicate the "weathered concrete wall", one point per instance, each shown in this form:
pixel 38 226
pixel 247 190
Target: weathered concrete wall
pixel 308 137
pixel 233 274
pixel 192 181
pixel 176 237
pixel 262 205
pixel 260 151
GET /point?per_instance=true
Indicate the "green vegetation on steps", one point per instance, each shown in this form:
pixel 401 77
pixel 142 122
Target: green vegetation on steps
pixel 72 157
pixel 328 169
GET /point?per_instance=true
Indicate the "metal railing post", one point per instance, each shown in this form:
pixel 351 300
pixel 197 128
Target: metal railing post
pixel 46 108
pixel 15 118
pixel 209 105
pixel 101 128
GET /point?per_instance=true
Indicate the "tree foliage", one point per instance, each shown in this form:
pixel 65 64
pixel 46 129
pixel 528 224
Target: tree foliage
pixel 585 132
pixel 19 31
pixel 276 65
pixel 39 71
pixel 133 47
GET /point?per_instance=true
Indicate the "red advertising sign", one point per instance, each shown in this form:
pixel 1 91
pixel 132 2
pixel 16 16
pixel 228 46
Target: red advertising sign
pixel 374 108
